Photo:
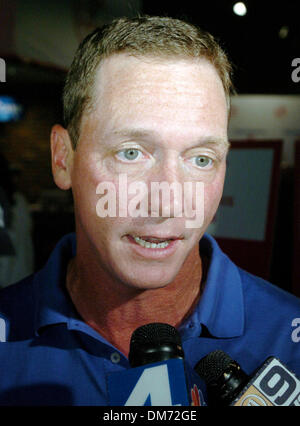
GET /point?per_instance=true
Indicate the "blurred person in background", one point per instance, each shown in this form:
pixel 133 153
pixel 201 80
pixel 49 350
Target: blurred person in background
pixel 6 247
pixel 19 264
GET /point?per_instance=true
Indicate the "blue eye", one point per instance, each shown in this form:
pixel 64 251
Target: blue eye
pixel 202 161
pixel 129 154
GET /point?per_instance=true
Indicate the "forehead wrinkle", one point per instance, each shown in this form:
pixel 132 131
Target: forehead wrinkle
pixel 150 134
pixel 161 73
pixel 152 104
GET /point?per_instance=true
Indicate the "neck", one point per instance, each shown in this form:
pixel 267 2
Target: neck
pixel 116 310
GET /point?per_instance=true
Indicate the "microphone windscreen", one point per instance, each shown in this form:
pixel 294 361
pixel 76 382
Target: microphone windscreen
pixel 155 333
pixel 212 366
pixel 154 342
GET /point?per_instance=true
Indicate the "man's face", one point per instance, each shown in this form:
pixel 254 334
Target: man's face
pixel 154 121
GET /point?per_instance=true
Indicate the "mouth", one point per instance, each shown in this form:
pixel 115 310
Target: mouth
pixel 151 242
pixel 154 242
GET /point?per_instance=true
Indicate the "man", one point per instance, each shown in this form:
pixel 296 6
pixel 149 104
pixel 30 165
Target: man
pixel 146 99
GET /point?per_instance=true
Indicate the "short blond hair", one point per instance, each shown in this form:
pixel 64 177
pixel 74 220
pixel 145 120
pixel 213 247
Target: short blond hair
pixel 140 36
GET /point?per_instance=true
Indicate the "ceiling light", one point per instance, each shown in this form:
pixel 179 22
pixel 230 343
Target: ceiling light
pixel 284 32
pixel 240 8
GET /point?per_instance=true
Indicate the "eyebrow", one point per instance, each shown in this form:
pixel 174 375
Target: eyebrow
pixel 135 133
pixel 146 134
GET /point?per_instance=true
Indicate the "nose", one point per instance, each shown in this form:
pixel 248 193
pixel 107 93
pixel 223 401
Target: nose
pixel 165 188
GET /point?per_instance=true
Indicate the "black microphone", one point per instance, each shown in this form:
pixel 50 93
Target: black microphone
pixel 227 384
pixel 154 342
pixel 158 375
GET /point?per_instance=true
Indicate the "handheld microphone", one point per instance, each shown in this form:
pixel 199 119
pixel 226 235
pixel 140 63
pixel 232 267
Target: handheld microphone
pixel 272 384
pixel 159 376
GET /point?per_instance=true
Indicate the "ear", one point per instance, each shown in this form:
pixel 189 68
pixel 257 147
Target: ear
pixel 62 156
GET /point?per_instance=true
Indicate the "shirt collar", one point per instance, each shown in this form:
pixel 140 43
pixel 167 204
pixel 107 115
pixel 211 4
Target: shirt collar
pixel 54 304
pixel 220 308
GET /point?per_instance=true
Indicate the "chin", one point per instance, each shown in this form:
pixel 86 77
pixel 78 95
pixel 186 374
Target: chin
pixel 149 280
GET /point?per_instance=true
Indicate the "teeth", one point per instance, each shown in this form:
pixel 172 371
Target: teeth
pixel 152 245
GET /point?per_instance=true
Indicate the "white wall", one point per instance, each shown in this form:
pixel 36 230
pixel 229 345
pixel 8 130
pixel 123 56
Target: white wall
pixel 267 117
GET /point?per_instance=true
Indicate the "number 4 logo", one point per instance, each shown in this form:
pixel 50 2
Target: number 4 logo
pixel 152 383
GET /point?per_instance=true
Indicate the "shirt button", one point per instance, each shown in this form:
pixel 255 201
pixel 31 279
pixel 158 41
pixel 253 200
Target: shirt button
pixel 115 357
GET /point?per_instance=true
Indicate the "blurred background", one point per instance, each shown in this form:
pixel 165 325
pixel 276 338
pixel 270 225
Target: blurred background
pixel 262 38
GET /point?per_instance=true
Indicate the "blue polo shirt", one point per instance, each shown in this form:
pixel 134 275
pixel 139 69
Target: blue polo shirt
pixel 49 356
